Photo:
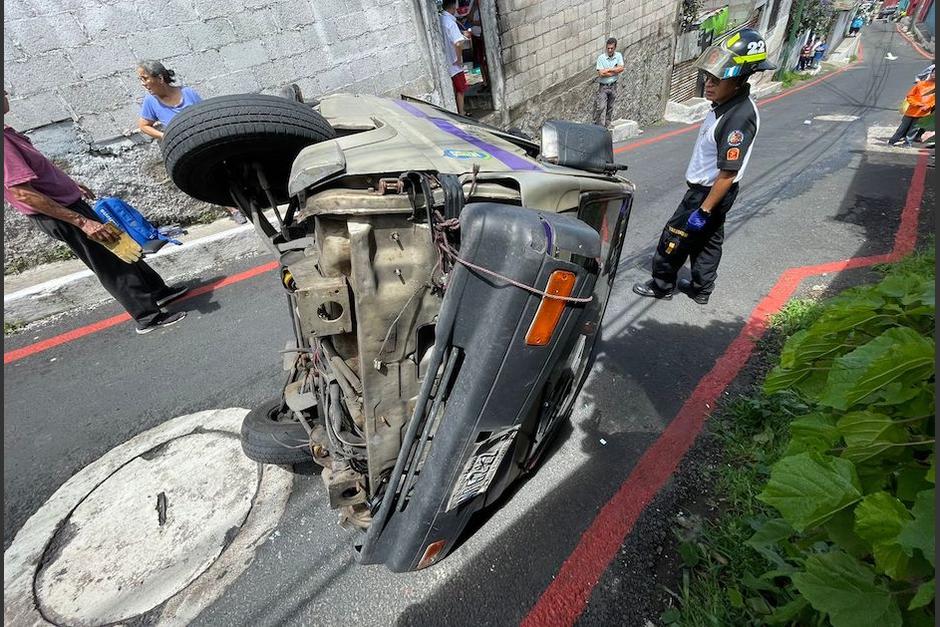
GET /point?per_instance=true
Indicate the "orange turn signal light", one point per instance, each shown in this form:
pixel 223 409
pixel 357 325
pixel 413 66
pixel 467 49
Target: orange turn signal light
pixel 430 554
pixel 560 283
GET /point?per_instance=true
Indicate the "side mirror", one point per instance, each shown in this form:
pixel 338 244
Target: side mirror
pixel 581 146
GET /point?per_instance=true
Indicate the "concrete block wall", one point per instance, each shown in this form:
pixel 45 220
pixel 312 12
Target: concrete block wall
pixel 70 66
pixel 66 59
pixel 550 48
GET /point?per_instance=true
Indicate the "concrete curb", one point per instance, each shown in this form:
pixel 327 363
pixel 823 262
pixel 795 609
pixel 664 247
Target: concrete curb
pixel 695 109
pixel 844 53
pixel 80 290
pixel 688 112
pixel 622 130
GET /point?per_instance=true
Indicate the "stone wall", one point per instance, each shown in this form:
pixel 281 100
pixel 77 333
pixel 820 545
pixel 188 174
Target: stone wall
pixel 550 48
pixel 75 59
pixel 69 66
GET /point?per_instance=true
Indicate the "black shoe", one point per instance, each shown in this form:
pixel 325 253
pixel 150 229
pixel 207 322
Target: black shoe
pixel 172 293
pixel 685 286
pixel 160 321
pixel 646 289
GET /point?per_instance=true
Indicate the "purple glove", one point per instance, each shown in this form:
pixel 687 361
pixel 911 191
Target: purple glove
pixel 697 221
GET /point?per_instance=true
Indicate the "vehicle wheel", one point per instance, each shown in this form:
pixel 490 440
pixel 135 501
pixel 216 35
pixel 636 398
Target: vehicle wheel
pixel 209 144
pixel 271 436
pixel 558 395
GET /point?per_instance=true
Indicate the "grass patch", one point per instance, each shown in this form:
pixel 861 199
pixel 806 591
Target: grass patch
pixel 790 78
pixel 720 584
pixel 10 328
pixel 54 253
pixel 797 314
pixel 920 262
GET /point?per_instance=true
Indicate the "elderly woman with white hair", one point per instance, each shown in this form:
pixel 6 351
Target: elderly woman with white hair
pixel 163 101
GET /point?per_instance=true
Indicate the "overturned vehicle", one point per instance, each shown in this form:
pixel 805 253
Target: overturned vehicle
pixel 446 281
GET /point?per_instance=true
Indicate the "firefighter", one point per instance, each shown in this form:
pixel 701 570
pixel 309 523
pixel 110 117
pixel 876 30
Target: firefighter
pixel 719 158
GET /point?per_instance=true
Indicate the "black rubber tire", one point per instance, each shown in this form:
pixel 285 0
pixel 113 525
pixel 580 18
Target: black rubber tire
pixel 268 440
pixel 207 142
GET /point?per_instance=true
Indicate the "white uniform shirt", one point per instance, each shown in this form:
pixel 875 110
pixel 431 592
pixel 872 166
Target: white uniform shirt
pixel 725 140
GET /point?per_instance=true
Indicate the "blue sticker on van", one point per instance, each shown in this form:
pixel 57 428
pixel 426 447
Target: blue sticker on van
pixel 465 154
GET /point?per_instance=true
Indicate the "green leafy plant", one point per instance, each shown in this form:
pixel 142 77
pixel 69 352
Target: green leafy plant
pixel 856 484
pixel 825 488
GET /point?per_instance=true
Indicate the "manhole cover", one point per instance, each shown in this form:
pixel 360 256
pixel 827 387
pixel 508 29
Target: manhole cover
pixel 159 526
pixel 148 531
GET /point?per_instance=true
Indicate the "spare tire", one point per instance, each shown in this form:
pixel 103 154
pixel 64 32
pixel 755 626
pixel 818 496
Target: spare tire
pixel 206 146
pixel 271 435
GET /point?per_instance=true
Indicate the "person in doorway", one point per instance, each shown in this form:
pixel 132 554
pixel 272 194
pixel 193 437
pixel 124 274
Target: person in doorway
pixel 819 52
pixel 479 46
pixel 719 159
pixel 56 205
pixel 454 41
pixel 609 68
pixel 856 26
pixel 920 102
pixel 163 102
pixel 806 56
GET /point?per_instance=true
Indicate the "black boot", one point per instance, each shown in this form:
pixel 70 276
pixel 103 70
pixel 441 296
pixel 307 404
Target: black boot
pixel 685 286
pixel 649 290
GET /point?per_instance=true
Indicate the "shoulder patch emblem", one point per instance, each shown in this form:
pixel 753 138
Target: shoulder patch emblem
pixel 735 138
pixel 734 154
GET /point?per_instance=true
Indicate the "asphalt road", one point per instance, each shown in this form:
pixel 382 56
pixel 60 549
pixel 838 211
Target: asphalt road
pixel 812 194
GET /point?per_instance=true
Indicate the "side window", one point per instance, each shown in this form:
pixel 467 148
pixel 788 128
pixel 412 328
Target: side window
pixel 608 216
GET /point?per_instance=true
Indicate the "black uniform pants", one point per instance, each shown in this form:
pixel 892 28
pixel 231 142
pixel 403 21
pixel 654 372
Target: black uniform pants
pixel 135 285
pixel 702 249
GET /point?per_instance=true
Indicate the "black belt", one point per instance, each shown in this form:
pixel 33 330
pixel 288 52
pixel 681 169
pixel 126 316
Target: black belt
pixel 705 188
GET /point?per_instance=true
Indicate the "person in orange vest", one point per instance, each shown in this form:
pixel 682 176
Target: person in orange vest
pixel 920 103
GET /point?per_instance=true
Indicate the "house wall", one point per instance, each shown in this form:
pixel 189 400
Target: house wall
pixel 550 47
pixel 69 66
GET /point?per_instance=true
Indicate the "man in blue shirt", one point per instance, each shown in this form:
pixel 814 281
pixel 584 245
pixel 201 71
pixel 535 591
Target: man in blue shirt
pixel 856 26
pixel 609 67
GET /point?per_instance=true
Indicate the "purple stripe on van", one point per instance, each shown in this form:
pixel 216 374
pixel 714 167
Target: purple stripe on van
pixel 508 159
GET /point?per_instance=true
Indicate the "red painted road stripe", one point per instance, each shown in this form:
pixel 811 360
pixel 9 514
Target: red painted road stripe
pixel 101 325
pixel 691 127
pixel 566 597
pixel 652 140
pixel 914 44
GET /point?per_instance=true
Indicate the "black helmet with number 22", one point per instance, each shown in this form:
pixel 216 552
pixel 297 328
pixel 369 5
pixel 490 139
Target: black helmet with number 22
pixel 741 54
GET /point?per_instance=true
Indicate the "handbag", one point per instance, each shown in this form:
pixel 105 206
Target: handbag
pixel 904 106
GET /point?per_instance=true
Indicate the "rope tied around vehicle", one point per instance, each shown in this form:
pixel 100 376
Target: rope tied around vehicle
pixel 441 227
pixel 452 254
